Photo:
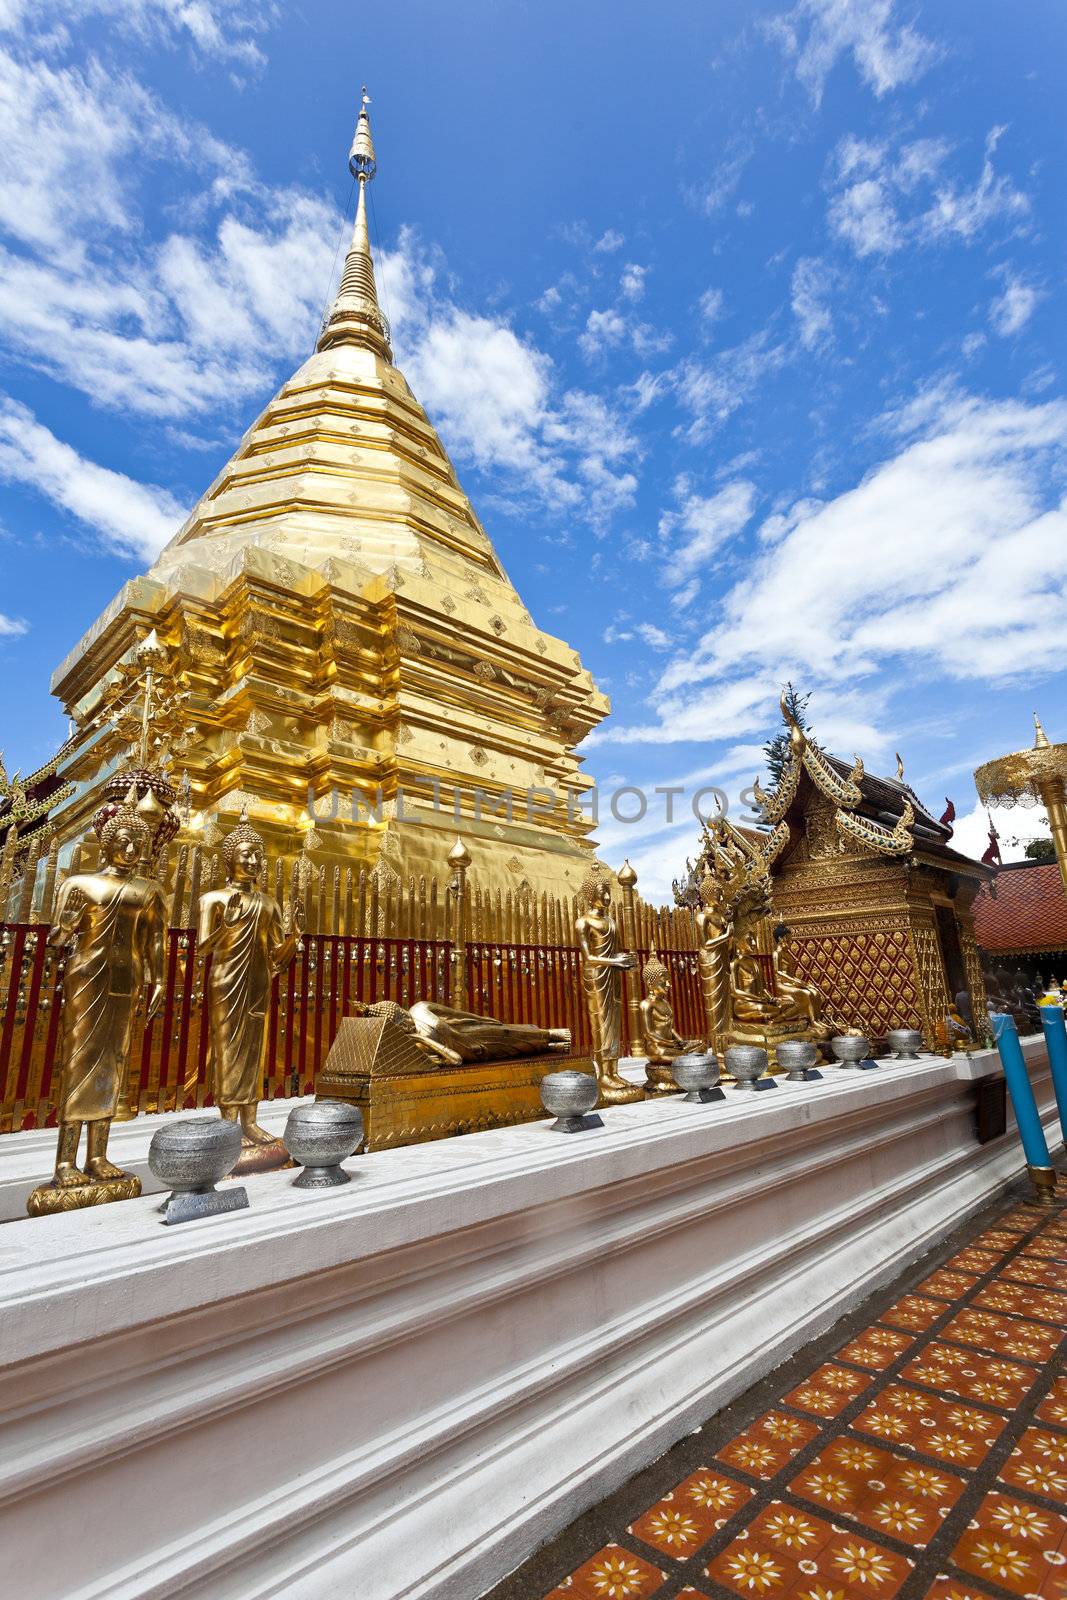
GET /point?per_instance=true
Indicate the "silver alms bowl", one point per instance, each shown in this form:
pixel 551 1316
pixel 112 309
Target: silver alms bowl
pixel 905 1043
pixel 320 1136
pixel 191 1155
pixel 797 1056
pixel 746 1063
pixel 569 1097
pixel 696 1073
pixel 849 1049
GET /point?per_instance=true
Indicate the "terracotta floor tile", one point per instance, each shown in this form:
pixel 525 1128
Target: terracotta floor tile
pixel 1045 1247
pixel 971 1260
pixel 1020 1220
pixel 884 1491
pixel 945 1588
pixel 1054 1409
pixel 876 1348
pixel 1008 1336
pixel 998 1240
pixel 1039 1463
pixel 787 1552
pixel 686 1518
pixel 970 1375
pixel 947 1285
pixel 1018 1546
pixel 765 1446
pixel 612 1574
pixel 828 1391
pixel 1042 1273
pixel 1024 1300
pixel 954 1433
pixel 913 1311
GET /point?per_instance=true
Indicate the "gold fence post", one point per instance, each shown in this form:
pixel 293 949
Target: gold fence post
pixel 459 860
pixel 632 980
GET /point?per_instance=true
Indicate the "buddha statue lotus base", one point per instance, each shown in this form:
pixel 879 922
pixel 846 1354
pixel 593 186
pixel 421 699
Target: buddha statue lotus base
pixel 48 1199
pixel 261 1157
pixel 769 1035
pixel 408 1098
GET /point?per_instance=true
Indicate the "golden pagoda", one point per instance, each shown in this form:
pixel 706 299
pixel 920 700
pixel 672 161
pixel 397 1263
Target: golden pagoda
pixel 342 627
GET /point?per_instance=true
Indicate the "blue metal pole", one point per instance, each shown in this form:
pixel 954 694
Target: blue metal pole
pixel 1056 1045
pixel 1035 1148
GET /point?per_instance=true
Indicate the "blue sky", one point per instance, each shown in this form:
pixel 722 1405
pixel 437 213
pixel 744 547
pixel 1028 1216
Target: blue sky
pixel 743 322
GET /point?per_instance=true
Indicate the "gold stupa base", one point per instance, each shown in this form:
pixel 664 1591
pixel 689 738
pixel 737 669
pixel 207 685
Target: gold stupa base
pixel 50 1198
pixel 769 1037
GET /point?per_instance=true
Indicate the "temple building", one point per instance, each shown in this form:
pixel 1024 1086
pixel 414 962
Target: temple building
pixel 879 903
pixel 342 627
pixel 1020 921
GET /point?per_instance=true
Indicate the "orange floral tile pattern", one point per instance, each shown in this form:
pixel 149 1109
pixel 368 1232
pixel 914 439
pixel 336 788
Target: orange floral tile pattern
pixel 686 1518
pixel 1042 1273
pixel 828 1391
pixel 789 1552
pixel 875 1349
pixel 1054 1409
pixel 977 1261
pixel 884 1491
pixel 767 1444
pixel 947 1285
pixel 1016 1546
pixel 1039 1464
pixel 1009 1336
pixel 915 1312
pixel 898 1469
pixel 970 1375
pixel 957 1434
pixel 612 1574
pixel 1021 1300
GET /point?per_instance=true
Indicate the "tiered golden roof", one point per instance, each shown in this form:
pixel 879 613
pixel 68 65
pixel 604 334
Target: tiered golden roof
pixel 343 622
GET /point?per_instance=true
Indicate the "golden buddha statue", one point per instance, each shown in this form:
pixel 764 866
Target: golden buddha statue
pixel 715 933
pixel 603 965
pixel 113 920
pixel 454 1037
pixel 659 1040
pixel 241 930
pixel 750 999
pixel 789 986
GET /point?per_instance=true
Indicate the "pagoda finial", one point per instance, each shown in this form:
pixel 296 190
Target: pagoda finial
pixel 1041 742
pixel 356 317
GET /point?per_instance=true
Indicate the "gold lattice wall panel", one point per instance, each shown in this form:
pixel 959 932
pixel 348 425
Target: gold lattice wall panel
pixel 932 985
pixel 866 978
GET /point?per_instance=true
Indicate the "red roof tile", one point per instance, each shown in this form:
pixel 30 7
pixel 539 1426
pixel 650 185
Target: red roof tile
pixel 1029 911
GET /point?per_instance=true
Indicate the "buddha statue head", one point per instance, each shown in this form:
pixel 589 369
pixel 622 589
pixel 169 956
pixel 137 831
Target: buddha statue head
pixel 242 853
pixel 123 840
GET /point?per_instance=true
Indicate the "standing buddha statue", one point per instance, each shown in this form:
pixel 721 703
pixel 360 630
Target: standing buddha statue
pixel 714 935
pixel 241 930
pixel 113 921
pixel 603 965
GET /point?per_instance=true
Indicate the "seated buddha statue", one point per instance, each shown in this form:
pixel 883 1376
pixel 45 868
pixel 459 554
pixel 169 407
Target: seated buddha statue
pixel 790 986
pixel 659 1040
pixel 750 999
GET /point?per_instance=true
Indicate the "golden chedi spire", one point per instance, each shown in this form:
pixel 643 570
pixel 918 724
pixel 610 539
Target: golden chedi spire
pixel 342 624
pixel 356 317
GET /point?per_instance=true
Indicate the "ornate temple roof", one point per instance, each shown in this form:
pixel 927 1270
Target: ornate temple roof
pixel 1023 910
pixel 883 816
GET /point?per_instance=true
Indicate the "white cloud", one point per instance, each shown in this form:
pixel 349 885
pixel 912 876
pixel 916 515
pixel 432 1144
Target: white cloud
pixel 882 201
pixel 700 526
pixel 887 53
pixel 12 627
pixel 722 184
pixel 609 241
pixel 1011 310
pixel 712 390
pixel 128 517
pixel 222 29
pixel 946 559
pixel 711 304
pixel 811 280
pixel 604 330
pixel 632 283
